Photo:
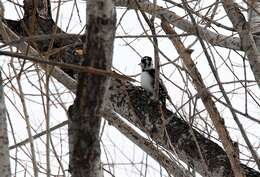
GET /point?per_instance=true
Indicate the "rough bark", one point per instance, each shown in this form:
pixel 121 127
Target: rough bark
pixel 85 113
pixel 5 169
pixel 135 105
pixel 172 167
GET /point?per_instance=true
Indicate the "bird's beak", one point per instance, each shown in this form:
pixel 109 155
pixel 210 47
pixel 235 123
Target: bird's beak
pixel 139 64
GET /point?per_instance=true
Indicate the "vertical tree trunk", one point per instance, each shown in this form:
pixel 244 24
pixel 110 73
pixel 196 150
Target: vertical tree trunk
pixel 4 150
pixel 5 170
pixel 245 32
pixel 84 115
pixel 253 15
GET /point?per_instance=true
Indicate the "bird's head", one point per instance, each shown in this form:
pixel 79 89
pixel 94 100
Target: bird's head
pixel 146 63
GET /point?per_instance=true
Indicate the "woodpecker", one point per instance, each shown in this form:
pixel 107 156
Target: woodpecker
pixel 148 79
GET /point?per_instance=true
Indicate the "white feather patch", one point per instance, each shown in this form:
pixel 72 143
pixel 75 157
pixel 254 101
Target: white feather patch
pixel 146 81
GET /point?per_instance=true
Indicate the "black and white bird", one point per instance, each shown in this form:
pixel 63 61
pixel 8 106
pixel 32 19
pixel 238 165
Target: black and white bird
pixel 148 79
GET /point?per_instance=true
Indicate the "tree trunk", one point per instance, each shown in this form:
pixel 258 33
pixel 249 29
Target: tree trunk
pixel 135 105
pixel 253 16
pixel 5 169
pixel 246 35
pixel 131 102
pixel 4 150
pixel 84 114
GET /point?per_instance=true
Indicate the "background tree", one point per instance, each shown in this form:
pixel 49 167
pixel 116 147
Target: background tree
pixel 215 89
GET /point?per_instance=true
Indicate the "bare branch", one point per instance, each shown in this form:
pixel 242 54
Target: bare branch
pixel 185 25
pixel 205 95
pixel 247 40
